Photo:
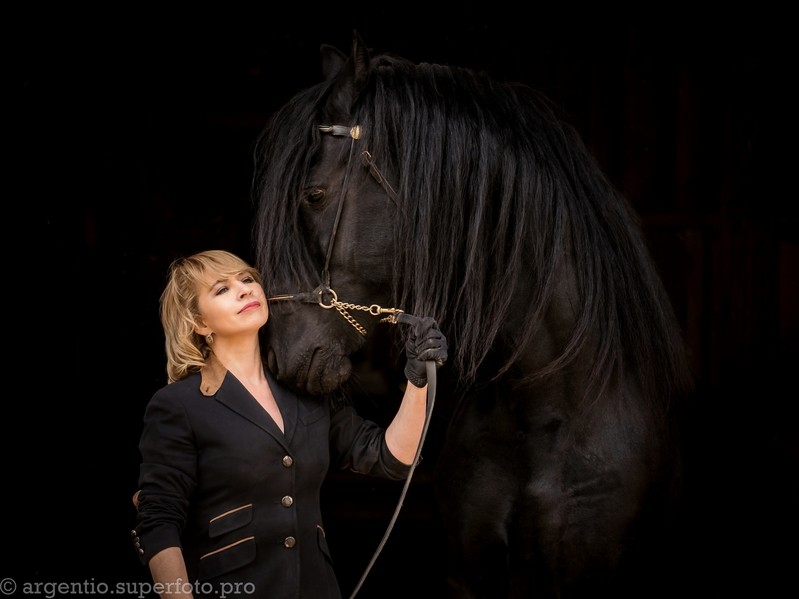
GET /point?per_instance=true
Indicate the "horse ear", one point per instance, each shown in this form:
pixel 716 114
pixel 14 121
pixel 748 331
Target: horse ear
pixel 360 61
pixel 332 60
pixel 352 75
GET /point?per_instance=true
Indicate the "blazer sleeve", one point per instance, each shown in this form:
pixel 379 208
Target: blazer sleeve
pixel 167 475
pixel 359 445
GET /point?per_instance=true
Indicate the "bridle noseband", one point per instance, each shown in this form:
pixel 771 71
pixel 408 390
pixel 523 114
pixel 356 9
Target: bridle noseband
pixel 324 295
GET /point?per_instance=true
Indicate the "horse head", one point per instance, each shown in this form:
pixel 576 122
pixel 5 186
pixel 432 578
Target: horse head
pixel 324 244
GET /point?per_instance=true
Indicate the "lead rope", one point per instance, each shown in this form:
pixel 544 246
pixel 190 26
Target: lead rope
pixel 431 399
pixel 391 315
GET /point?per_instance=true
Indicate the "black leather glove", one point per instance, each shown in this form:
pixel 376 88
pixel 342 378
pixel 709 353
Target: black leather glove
pixel 425 342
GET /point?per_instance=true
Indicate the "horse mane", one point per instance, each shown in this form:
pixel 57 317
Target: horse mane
pixel 496 192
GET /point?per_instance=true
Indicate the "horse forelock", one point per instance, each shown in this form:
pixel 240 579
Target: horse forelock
pixel 284 152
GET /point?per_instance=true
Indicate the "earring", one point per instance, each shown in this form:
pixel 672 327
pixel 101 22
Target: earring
pixel 209 338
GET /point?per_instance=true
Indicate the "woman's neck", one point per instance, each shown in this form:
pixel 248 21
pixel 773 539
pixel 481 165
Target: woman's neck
pixel 243 360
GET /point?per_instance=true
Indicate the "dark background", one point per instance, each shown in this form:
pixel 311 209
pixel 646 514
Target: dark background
pixel 129 142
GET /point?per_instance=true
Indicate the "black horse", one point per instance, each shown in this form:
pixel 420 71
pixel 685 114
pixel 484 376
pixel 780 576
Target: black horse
pixel 439 191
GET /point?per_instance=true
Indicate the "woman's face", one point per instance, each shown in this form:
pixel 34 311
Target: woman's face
pixel 231 306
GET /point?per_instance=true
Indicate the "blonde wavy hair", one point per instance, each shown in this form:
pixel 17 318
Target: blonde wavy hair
pixel 186 350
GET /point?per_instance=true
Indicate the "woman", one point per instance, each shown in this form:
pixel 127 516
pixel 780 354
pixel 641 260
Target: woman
pixel 233 463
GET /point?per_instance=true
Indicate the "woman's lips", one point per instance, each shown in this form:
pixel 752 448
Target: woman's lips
pixel 250 306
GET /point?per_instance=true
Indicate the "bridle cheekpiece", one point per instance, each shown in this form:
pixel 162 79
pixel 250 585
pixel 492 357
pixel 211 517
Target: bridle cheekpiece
pixel 324 295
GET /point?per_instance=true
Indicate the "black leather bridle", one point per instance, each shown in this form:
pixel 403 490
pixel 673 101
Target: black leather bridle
pixel 324 295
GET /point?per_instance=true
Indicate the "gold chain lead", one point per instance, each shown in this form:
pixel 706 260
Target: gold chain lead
pixel 374 310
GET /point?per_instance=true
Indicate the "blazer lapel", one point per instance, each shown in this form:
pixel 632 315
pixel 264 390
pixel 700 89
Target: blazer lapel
pixel 220 383
pixel 288 403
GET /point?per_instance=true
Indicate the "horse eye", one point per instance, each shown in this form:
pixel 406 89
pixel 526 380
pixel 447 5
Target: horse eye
pixel 315 195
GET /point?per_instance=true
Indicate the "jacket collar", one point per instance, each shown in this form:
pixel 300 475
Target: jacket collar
pixel 212 375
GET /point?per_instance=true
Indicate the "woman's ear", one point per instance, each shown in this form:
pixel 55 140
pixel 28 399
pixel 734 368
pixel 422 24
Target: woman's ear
pixel 201 328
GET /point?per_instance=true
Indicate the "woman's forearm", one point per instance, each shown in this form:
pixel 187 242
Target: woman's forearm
pixel 170 578
pixel 405 430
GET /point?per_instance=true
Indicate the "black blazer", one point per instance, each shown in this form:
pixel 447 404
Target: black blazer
pixel 242 499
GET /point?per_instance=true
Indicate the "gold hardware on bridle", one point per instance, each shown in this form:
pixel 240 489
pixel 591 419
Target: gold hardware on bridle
pixel 342 307
pixel 374 310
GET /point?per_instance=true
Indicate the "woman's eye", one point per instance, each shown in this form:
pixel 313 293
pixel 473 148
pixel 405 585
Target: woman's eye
pixel 220 290
pixel 248 280
pixel 315 195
